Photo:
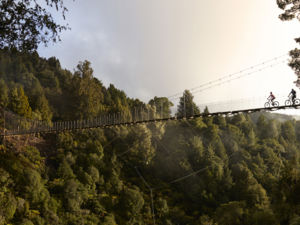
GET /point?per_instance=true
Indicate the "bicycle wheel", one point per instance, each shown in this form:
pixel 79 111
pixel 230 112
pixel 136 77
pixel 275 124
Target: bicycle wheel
pixel 288 102
pixel 297 101
pixel 267 105
pixel 275 103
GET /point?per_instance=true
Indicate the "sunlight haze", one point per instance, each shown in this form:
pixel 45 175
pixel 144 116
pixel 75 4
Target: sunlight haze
pixel 160 48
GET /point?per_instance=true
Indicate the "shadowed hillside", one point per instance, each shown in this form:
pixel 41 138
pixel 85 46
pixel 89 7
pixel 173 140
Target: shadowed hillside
pixel 234 170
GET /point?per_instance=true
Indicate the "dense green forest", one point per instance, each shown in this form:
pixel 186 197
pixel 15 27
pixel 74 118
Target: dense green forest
pixel 242 169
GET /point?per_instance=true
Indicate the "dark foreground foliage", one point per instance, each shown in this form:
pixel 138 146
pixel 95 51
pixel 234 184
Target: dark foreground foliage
pixel 27 23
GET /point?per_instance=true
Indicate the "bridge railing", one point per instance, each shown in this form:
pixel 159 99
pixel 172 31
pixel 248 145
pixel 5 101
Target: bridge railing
pixel 13 124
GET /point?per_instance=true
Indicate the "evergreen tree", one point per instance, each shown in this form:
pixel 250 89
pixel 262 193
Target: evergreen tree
pixel 117 103
pixel 288 131
pixel 87 95
pixel 187 107
pixel 19 102
pixel 162 106
pixel 3 94
pixel 42 107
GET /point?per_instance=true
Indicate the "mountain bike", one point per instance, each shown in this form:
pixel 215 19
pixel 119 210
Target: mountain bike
pixel 290 101
pixel 269 104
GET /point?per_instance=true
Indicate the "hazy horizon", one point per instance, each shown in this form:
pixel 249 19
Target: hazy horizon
pixel 160 48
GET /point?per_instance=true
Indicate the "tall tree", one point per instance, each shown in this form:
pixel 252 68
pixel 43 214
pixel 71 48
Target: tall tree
pixel 42 107
pixel 87 92
pixel 19 102
pixel 27 23
pixel 162 106
pixel 187 107
pixel 116 102
pixel 3 94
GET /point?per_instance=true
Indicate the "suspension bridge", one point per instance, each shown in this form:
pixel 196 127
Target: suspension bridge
pixel 16 125
pixel 24 126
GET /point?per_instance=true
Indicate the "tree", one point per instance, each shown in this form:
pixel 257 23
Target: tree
pixel 43 109
pixel 27 23
pixel 291 11
pixel 288 131
pixel 19 102
pixel 131 202
pixel 187 107
pixel 3 94
pixel 87 95
pixel 230 213
pixel 116 102
pixel 162 106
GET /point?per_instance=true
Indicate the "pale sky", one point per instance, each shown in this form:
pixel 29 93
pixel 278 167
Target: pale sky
pixel 162 47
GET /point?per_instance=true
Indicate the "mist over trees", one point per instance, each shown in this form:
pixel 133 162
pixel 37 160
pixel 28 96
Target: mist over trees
pixel 238 170
pixel 211 170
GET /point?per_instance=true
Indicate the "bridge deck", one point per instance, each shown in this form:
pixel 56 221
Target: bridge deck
pixel 96 123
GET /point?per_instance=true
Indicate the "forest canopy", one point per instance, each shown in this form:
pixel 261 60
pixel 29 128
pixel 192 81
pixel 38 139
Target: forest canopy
pixel 240 170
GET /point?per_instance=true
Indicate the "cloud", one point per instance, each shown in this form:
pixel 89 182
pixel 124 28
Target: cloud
pixel 158 48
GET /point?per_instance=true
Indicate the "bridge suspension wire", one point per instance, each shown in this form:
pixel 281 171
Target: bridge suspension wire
pixel 240 100
pixel 16 125
pixel 230 77
pixel 135 168
pixel 236 78
pixel 184 177
pixel 151 193
pixel 194 172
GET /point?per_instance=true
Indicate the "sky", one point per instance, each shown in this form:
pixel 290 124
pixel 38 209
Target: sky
pixel 160 48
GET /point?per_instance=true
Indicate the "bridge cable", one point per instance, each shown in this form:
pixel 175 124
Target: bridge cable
pixel 120 156
pixel 175 96
pixel 241 76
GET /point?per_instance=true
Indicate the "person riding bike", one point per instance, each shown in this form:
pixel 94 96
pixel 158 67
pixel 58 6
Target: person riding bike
pixel 271 98
pixel 293 95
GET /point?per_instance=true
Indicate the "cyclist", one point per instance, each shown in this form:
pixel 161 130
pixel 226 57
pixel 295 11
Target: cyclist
pixel 271 98
pixel 293 94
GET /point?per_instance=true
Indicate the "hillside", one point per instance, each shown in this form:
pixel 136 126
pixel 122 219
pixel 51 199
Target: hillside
pixel 209 171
